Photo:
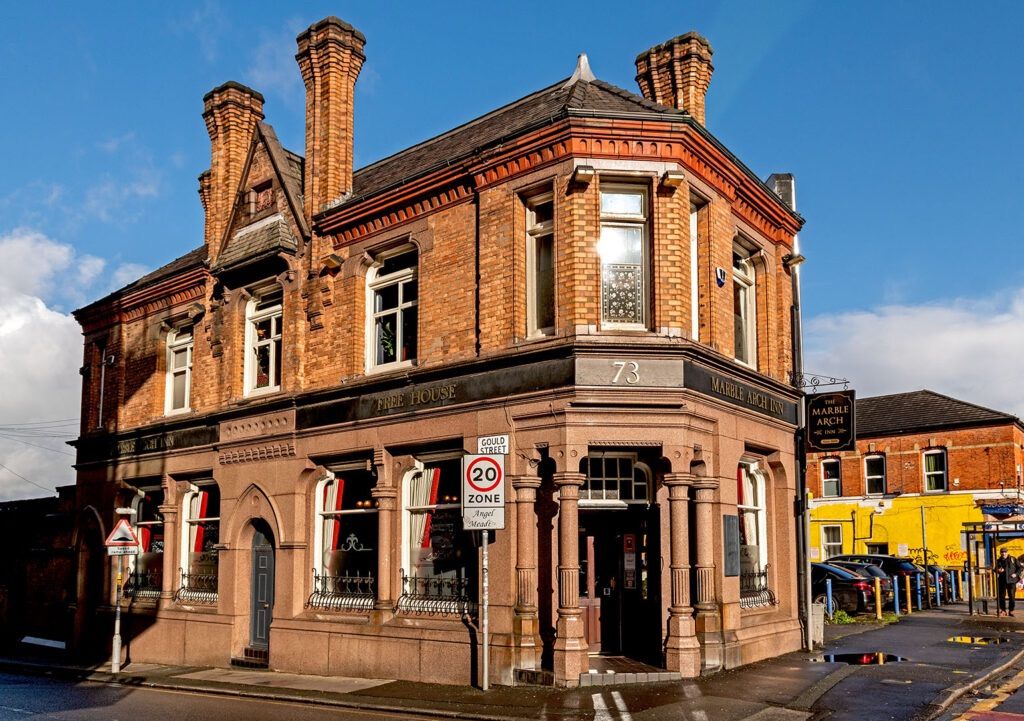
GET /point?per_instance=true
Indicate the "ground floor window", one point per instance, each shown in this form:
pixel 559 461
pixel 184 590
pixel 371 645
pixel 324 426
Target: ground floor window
pixel 751 504
pixel 146 570
pixel 345 547
pixel 877 548
pixel 439 567
pixel 832 540
pixel 200 539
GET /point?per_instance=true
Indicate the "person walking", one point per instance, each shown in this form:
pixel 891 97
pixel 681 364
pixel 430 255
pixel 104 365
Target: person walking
pixel 1007 575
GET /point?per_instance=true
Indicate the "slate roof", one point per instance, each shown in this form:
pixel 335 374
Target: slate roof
pixel 919 411
pixel 262 238
pixel 582 98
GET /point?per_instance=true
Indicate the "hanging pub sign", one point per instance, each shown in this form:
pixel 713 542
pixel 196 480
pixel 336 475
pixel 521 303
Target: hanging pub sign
pixel 831 422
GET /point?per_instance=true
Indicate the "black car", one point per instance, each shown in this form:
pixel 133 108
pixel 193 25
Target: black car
pixel 869 571
pixel 851 592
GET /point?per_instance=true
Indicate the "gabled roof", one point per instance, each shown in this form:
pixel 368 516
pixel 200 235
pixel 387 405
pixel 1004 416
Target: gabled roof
pixel 563 99
pixel 256 241
pixel 919 411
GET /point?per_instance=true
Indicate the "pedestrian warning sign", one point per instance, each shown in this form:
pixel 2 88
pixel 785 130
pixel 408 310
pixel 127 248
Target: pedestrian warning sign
pixel 123 536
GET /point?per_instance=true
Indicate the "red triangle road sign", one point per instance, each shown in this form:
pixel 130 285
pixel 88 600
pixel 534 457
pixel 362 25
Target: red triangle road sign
pixel 122 535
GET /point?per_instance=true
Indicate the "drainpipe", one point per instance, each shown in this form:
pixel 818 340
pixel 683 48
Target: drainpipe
pixel 785 187
pixel 105 360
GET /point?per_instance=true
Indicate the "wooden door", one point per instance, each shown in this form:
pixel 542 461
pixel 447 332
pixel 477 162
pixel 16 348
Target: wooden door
pixel 262 594
pixel 590 599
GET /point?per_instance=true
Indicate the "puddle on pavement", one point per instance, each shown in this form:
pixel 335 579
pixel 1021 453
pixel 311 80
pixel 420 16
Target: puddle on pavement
pixel 877 658
pixel 978 640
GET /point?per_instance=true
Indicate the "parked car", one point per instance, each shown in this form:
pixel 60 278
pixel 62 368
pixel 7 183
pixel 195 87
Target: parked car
pixel 871 572
pixel 851 592
pixel 892 565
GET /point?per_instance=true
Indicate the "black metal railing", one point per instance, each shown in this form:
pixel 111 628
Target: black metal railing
pixel 144 584
pixel 437 595
pixel 197 588
pixel 343 593
pixel 754 590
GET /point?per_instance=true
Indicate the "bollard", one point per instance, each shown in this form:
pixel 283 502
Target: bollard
pixel 938 590
pixel 917 583
pixel 896 595
pixel 952 586
pixel 878 598
pixel 910 604
pixel 828 597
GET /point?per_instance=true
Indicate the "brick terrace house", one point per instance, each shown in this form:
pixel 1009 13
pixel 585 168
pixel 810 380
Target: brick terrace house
pixel 925 464
pixel 586 270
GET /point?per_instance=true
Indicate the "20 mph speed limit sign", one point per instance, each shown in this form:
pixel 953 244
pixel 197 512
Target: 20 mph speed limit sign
pixel 483 492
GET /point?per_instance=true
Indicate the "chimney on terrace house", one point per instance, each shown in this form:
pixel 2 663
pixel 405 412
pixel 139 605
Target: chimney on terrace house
pixel 677 73
pixel 330 57
pixel 231 112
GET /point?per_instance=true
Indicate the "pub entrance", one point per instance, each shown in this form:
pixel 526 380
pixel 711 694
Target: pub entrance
pixel 620 571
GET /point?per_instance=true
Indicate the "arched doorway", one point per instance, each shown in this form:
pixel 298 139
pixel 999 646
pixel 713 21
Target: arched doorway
pixel 91 579
pixel 261 595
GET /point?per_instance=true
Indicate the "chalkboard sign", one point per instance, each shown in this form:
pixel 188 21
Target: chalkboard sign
pixel 731 529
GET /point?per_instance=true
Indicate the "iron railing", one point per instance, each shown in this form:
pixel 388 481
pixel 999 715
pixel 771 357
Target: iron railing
pixel 197 588
pixel 436 595
pixel 754 590
pixel 343 593
pixel 144 584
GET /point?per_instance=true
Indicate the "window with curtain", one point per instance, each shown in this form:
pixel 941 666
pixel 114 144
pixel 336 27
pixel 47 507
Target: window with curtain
pixel 439 571
pixel 146 569
pixel 874 475
pixel 345 570
pixel 935 470
pixel 200 538
pixel 831 481
pixel 832 540
pixel 753 516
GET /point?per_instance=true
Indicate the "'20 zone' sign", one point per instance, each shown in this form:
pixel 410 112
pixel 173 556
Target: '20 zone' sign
pixel 483 492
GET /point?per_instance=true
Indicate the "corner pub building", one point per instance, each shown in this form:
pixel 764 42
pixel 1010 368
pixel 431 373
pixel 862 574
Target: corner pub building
pixel 586 270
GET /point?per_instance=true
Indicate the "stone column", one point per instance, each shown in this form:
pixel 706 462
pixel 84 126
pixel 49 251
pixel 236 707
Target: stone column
pixel 682 651
pixel 709 623
pixel 387 506
pixel 526 627
pixel 172 543
pixel 570 658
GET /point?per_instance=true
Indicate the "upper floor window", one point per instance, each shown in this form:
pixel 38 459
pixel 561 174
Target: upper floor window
pixel 744 306
pixel 831 481
pixel 874 475
pixel 540 263
pixel 179 370
pixel 345 554
pixel 263 342
pixel 935 470
pixel 393 296
pixel 623 252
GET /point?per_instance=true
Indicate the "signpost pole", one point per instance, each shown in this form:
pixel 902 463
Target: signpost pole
pixel 484 626
pixel 115 662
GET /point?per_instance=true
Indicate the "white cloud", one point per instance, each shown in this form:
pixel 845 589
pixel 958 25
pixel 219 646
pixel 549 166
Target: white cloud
pixel 272 69
pixel 968 348
pixel 40 354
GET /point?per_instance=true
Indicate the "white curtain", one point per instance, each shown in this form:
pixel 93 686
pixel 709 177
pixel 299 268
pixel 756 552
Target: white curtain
pixel 422 492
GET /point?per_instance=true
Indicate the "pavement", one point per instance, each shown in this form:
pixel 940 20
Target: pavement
pixel 931 676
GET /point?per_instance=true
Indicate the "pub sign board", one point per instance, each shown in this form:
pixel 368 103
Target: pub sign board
pixel 831 422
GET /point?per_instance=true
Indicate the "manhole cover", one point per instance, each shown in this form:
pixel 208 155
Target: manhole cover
pixel 978 640
pixel 859 659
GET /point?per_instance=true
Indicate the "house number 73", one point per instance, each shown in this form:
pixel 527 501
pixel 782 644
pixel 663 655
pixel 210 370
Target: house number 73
pixel 631 369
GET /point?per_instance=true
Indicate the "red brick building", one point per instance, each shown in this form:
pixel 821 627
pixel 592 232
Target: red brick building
pixel 920 455
pixel 585 270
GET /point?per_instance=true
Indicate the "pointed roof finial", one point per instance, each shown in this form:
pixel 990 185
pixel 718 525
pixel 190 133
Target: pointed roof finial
pixel 582 71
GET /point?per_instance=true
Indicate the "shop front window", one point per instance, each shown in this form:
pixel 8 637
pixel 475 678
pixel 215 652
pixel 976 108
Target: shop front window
pixel 146 569
pixel 200 544
pixel 753 517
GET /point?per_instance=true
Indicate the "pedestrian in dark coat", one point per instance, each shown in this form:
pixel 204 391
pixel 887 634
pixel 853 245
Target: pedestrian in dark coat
pixel 1007 574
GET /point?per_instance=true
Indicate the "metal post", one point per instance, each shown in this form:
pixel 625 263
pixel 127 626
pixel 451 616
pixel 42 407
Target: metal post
pixel 115 661
pixel 828 597
pixel 910 604
pixel 896 595
pixel 970 578
pixel 917 584
pixel 878 598
pixel 938 591
pixel 924 545
pixel 486 588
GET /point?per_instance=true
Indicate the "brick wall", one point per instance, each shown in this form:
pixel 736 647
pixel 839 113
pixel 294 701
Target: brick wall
pixel 979 458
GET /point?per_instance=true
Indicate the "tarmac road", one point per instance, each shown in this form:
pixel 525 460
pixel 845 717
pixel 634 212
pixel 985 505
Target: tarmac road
pixel 32 697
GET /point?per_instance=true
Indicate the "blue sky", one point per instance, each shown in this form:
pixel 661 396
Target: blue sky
pixel 900 121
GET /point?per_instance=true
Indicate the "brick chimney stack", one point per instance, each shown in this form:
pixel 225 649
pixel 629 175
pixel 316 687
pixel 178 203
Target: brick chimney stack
pixel 677 73
pixel 231 112
pixel 330 57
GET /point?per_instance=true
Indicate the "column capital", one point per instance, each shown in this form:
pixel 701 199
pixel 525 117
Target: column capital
pixel 568 478
pixel 679 479
pixel 703 483
pixel 525 482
